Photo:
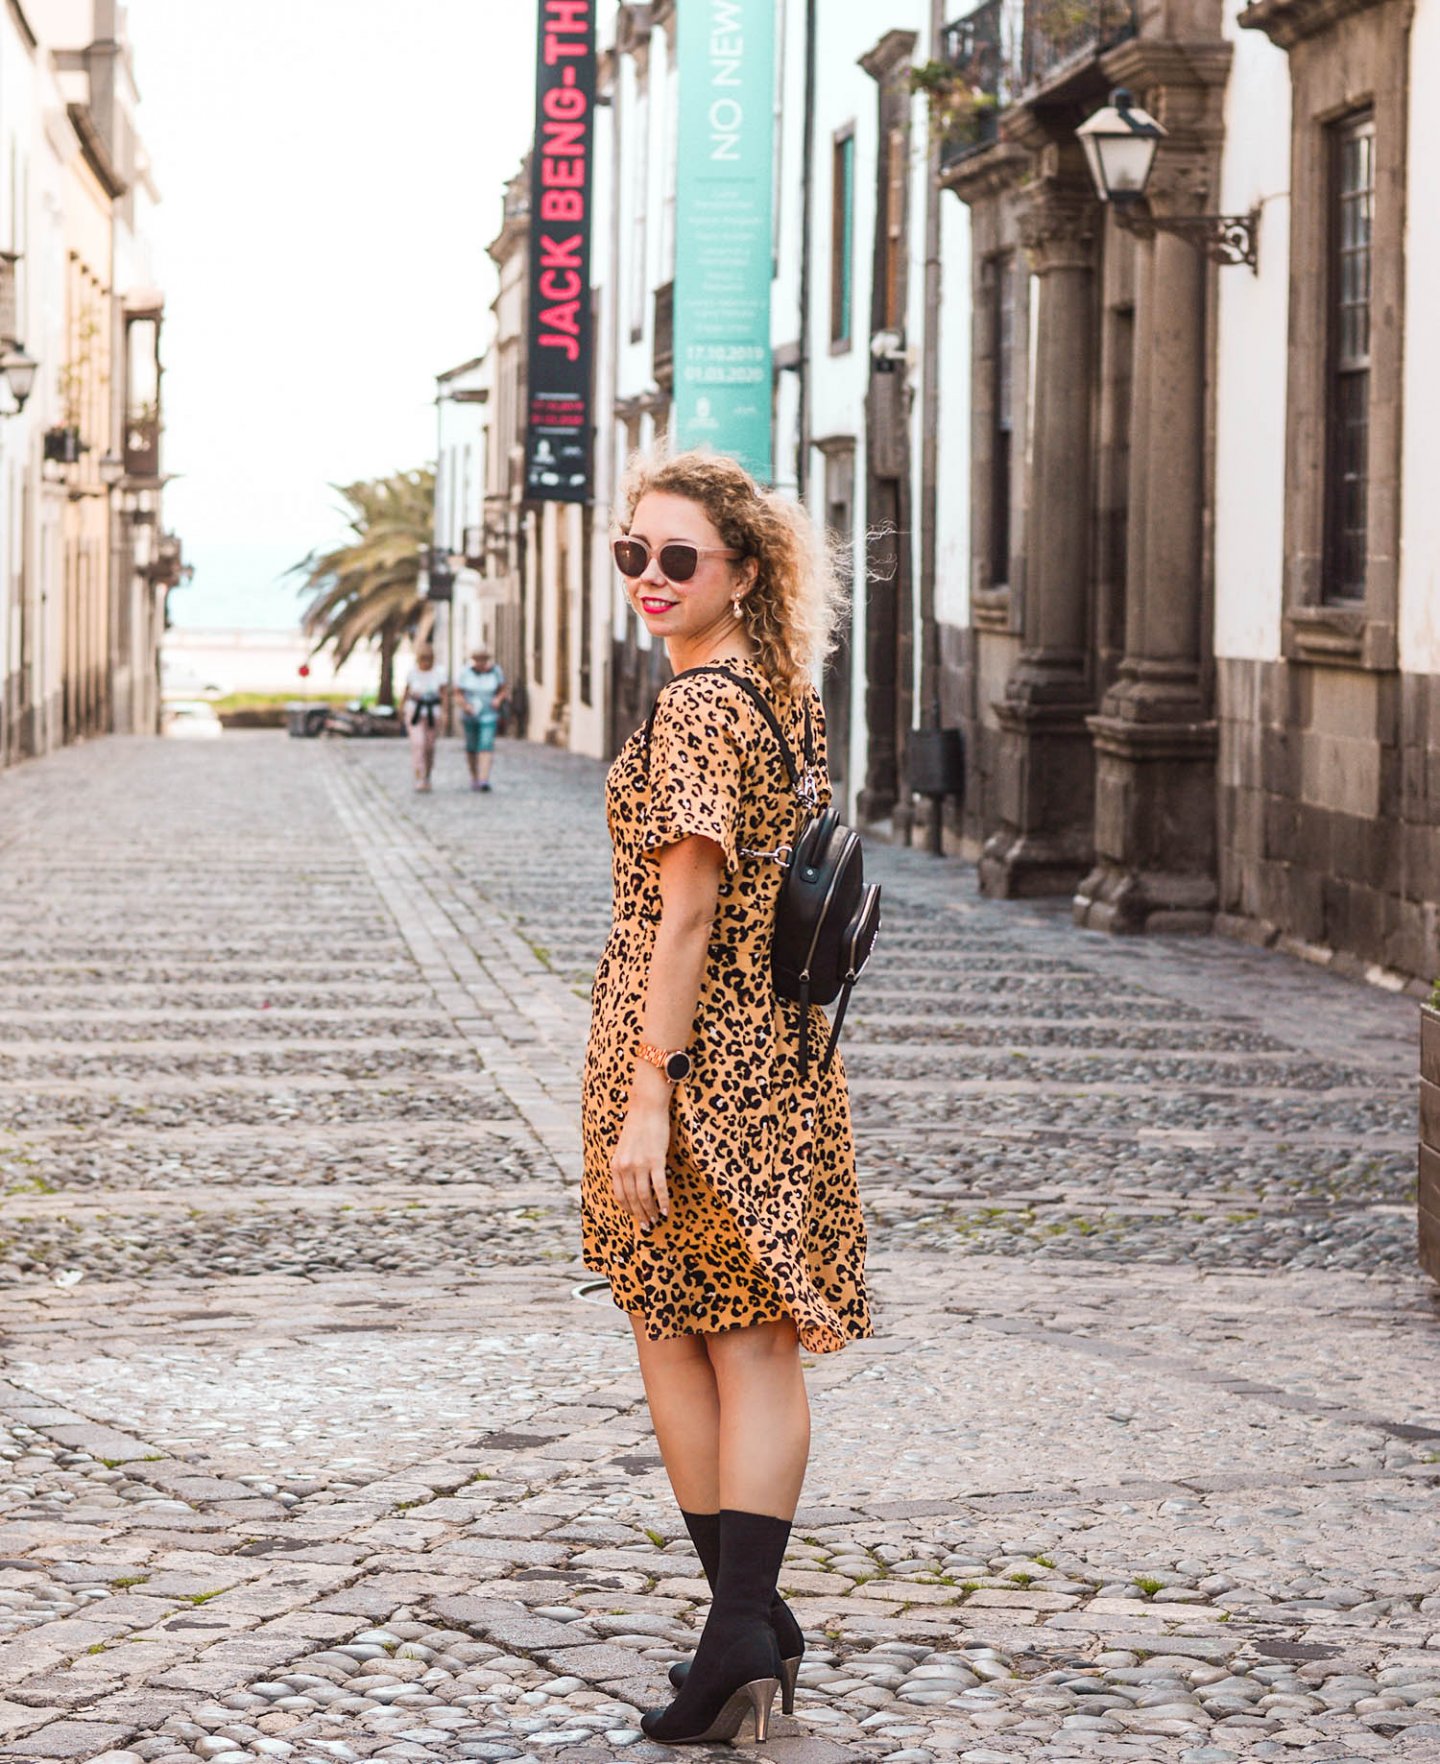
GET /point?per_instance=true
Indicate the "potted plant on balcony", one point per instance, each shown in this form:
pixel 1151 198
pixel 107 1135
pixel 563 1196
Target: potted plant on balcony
pixel 1429 1183
pixel 962 112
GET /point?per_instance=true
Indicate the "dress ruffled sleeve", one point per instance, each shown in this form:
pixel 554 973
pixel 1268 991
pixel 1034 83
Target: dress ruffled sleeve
pixel 696 746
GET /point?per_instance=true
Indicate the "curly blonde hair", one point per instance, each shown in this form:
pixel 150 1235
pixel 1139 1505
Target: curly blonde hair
pixel 791 612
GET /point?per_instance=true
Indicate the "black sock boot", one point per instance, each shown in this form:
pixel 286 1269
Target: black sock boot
pixel 704 1529
pixel 736 1668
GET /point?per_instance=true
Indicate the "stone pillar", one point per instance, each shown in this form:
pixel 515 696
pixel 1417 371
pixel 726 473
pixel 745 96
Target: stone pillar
pixel 1155 737
pixel 1044 764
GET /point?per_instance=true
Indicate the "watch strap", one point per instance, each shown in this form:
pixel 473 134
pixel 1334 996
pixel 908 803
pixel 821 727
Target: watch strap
pixel 660 1058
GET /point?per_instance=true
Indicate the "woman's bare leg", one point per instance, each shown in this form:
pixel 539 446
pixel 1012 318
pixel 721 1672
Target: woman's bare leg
pixel 684 1403
pixel 764 1416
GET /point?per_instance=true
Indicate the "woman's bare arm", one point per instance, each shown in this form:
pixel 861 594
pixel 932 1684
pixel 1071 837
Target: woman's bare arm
pixel 690 875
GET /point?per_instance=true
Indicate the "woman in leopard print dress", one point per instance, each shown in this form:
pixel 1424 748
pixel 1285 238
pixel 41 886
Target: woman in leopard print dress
pixel 721 1204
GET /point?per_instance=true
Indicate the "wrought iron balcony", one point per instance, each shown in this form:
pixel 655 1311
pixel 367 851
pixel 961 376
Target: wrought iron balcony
pixel 981 53
pixel 1003 50
pixel 142 446
pixel 1062 34
pixel 662 361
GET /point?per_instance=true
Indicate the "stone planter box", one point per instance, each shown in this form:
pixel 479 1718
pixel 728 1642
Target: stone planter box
pixel 1430 1141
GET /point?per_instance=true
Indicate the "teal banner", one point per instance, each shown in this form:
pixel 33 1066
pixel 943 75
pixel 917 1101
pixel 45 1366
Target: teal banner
pixel 724 228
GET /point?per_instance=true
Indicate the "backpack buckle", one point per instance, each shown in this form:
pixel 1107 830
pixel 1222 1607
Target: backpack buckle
pixel 781 855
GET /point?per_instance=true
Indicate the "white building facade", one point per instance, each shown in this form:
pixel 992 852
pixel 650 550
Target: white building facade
pixel 1150 527
pixel 1327 537
pixel 85 561
pixel 851 195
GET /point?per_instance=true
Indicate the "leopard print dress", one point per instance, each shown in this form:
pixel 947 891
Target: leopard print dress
pixel 764 1218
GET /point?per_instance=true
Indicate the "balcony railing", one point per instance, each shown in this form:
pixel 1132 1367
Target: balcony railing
pixel 1060 34
pixel 983 51
pixel 662 360
pixel 142 445
pixel 1004 49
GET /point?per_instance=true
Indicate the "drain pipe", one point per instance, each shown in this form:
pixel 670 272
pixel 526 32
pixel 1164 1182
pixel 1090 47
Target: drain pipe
pixel 807 173
pixel 929 694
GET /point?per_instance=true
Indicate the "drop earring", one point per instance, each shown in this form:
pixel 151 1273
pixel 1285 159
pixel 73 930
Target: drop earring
pixel 735 607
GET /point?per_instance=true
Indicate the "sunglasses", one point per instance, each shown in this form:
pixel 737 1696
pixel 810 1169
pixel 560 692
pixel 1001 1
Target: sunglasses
pixel 678 560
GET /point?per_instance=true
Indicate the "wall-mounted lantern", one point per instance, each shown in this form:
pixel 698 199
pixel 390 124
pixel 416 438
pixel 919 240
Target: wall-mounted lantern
pixel 1120 142
pixel 19 370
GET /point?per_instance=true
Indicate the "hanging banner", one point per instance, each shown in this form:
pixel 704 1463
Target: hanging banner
pixel 724 228
pixel 557 420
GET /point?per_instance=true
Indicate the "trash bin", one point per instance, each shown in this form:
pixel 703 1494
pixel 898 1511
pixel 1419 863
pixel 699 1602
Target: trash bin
pixel 937 770
pixel 937 762
pixel 305 718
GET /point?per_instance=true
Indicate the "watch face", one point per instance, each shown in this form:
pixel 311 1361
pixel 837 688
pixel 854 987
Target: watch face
pixel 677 1067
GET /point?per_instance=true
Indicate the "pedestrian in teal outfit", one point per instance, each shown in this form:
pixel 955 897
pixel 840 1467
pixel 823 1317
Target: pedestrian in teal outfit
pixel 483 689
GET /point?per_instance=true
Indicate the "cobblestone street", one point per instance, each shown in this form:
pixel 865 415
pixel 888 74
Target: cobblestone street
pixel 313 1445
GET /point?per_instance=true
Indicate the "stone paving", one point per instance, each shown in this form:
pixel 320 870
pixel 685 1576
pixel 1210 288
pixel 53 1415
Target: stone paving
pixel 314 1444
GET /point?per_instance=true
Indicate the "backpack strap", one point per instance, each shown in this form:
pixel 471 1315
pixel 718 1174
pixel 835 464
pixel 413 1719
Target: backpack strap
pixel 837 1025
pixel 757 698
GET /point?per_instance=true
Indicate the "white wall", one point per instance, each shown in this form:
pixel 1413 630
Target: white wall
pixel 18 111
pixel 194 662
pixel 1253 331
pixel 1420 504
pixel 460 447
pixel 844 94
pixel 952 564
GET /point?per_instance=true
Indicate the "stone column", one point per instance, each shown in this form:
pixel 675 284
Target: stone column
pixel 1155 738
pixel 1044 764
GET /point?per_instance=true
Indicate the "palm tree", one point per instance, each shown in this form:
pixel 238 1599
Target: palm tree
pixel 368 589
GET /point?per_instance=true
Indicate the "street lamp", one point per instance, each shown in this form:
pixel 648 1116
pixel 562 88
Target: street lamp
pixel 1119 143
pixel 19 370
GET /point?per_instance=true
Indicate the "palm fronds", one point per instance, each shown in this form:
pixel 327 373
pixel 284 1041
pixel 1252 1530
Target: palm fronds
pixel 368 589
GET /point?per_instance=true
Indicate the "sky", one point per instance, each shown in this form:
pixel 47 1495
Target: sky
pixel 331 172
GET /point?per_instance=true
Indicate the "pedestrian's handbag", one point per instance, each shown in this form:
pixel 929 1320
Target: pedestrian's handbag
pixel 827 916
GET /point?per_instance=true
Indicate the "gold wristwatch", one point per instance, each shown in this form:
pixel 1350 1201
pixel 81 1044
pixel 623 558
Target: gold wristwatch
pixel 675 1065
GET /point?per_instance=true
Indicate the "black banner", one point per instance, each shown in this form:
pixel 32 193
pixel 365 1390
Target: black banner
pixel 557 426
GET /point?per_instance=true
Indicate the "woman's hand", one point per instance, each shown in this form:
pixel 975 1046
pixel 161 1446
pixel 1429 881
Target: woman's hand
pixel 690 873
pixel 637 1171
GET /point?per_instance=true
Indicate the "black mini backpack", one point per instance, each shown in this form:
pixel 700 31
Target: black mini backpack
pixel 827 916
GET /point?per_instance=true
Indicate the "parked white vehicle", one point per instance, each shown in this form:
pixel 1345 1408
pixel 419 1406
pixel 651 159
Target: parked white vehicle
pixel 191 719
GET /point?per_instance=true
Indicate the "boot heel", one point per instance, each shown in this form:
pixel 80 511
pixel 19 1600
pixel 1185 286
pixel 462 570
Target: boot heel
pixel 789 1673
pixel 761 1693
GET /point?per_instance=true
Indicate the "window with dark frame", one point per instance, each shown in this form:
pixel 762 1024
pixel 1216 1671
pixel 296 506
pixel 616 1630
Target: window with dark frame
pixel 1347 393
pixel 891 311
pixel 842 239
pixel 840 529
pixel 1002 424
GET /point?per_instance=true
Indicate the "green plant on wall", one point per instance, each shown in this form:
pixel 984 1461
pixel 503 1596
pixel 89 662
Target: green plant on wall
pixel 1060 20
pixel 960 109
pixel 76 373
pixel 1066 24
